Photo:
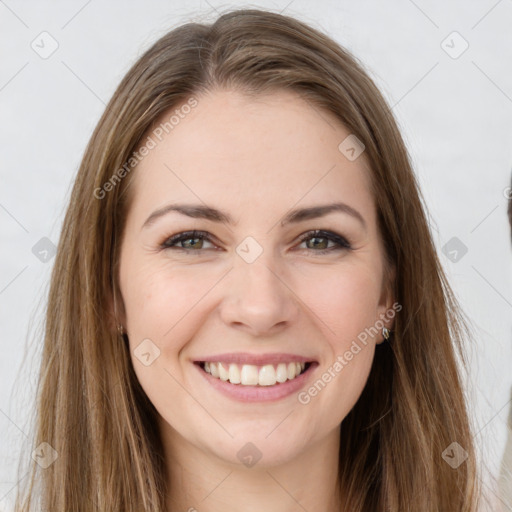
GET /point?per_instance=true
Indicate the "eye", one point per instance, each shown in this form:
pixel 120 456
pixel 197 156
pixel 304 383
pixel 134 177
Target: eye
pixel 340 243
pixel 192 241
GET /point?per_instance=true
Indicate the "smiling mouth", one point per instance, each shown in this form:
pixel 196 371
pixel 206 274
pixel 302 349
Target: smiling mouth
pixel 254 375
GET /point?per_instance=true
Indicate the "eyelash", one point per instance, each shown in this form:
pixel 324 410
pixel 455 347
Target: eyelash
pixel 342 243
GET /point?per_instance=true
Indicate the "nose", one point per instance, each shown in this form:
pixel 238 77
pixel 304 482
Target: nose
pixel 258 300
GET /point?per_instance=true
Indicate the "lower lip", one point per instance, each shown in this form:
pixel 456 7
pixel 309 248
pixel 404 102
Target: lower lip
pixel 259 393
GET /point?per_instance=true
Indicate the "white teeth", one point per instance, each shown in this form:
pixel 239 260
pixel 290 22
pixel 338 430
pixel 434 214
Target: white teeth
pixel 267 375
pixel 223 373
pixel 249 375
pixel 252 375
pixel 282 372
pixel 234 374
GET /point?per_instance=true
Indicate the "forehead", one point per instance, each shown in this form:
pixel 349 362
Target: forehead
pixel 247 152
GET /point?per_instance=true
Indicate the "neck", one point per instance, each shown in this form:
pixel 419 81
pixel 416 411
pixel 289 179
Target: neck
pixel 198 481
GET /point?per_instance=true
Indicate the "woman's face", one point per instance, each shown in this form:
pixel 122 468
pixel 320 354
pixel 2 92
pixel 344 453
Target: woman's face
pixel 254 175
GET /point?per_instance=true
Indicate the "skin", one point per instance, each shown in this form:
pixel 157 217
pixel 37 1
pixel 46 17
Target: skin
pixel 255 158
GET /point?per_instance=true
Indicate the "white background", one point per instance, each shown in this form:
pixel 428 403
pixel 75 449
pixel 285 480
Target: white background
pixel 455 115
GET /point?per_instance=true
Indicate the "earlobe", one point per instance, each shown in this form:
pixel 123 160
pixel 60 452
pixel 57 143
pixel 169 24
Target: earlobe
pixel 385 336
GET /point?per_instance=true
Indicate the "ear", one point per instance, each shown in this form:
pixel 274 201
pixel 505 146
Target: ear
pixel 115 309
pixel 386 302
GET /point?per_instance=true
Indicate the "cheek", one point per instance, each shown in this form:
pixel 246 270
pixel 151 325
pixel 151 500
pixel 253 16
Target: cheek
pixel 166 306
pixel 157 297
pixel 162 308
pixel 345 307
pixel 345 301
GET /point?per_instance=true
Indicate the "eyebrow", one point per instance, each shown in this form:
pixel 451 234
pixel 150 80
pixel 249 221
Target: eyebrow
pixel 197 211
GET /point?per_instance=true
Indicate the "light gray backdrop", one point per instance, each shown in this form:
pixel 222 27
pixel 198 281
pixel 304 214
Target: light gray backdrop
pixel 443 66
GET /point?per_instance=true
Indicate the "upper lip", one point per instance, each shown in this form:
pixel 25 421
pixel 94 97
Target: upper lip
pixel 255 359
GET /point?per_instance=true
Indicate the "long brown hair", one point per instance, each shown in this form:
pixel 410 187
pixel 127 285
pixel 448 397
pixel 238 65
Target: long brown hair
pixel 90 407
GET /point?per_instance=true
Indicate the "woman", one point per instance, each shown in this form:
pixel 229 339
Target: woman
pixel 305 357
